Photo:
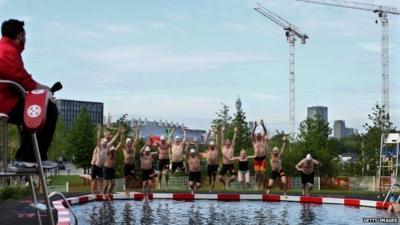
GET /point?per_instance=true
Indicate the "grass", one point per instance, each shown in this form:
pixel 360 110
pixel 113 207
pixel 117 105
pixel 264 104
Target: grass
pixel 76 184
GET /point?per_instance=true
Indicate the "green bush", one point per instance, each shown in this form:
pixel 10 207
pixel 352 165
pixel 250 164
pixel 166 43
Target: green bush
pixel 13 192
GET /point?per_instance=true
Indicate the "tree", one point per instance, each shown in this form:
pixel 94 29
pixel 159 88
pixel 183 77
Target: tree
pixel 380 124
pixel 58 147
pixel 13 140
pixel 243 140
pixel 81 141
pixel 314 139
pixel 224 119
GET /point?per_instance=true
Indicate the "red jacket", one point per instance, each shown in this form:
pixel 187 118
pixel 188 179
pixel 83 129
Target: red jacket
pixel 12 68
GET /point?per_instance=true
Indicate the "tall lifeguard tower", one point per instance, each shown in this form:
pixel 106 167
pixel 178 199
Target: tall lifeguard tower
pixel 388 161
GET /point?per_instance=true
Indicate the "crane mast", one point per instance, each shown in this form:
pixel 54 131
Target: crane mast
pixel 291 32
pixel 382 12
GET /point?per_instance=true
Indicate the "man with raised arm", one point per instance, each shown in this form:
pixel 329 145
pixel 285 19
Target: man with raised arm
pixel 109 167
pixel 276 167
pixel 103 147
pixel 306 167
pixel 146 165
pixel 212 159
pixel 193 159
pixel 228 148
pixel 177 152
pixel 129 160
pixel 260 142
pixel 163 158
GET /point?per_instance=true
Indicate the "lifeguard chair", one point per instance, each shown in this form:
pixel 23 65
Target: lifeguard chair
pixel 34 118
pixel 388 161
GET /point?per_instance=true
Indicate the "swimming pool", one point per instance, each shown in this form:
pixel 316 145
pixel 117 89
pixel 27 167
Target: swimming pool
pixel 219 212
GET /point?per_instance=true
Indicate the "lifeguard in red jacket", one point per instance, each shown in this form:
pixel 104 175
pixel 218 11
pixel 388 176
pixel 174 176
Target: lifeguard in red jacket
pixel 12 68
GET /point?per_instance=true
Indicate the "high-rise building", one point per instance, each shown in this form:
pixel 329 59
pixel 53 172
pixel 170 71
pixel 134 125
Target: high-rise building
pixel 339 129
pixel 322 111
pixel 70 109
pixel 351 131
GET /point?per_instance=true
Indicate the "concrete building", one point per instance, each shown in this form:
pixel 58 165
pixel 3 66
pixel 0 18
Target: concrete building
pixel 313 111
pixel 70 109
pixel 160 127
pixel 340 130
pixel 351 131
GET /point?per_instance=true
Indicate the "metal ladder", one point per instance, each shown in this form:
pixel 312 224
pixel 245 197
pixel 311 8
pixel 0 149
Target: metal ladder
pixel 390 192
pixel 18 172
pixel 56 193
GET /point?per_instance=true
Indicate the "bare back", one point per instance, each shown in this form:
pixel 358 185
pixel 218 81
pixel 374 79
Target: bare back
pixel 227 155
pixel 111 159
pixel 94 156
pixel 102 155
pixel 177 152
pixel 129 155
pixel 307 166
pixel 212 157
pixel 146 161
pixel 163 151
pixel 276 162
pixel 259 148
pixel 194 163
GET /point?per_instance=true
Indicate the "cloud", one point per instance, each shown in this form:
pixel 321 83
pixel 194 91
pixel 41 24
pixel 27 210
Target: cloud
pixel 371 47
pixel 374 47
pixel 117 28
pixel 74 30
pixel 165 105
pixel 153 59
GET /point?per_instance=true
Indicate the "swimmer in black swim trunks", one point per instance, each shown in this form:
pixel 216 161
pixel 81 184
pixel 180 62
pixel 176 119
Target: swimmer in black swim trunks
pixel 212 159
pixel 129 150
pixel 146 165
pixel 193 159
pixel 306 167
pixel 276 167
pixel 177 152
pixel 227 155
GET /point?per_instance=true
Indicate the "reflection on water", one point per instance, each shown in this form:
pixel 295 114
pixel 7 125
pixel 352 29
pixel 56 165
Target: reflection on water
pixel 307 215
pixel 214 212
pixel 105 214
pixel 127 214
pixel 147 215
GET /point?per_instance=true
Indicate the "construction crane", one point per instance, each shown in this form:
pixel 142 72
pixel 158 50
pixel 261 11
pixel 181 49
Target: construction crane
pixel 382 12
pixel 291 31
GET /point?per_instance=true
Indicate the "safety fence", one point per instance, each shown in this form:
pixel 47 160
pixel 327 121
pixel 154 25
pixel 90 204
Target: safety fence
pixel 181 183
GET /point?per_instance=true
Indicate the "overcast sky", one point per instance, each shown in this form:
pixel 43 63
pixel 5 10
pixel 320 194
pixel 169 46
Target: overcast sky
pixel 179 59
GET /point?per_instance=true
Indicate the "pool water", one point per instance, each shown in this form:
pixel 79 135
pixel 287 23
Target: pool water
pixel 216 212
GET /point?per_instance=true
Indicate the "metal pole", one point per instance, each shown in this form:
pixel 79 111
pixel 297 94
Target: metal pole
pixel 5 141
pixel 34 199
pixel 380 162
pixel 42 177
pixel 385 60
pixel 292 100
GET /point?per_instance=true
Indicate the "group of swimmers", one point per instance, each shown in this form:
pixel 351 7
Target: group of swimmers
pixel 171 152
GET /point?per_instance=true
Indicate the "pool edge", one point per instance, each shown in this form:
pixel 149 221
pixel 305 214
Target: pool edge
pixel 64 215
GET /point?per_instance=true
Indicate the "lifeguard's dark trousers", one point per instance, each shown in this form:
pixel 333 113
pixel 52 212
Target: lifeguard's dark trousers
pixel 25 152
